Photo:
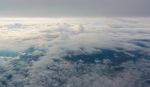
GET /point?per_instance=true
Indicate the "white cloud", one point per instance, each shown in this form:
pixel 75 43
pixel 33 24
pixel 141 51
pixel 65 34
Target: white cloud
pixel 55 40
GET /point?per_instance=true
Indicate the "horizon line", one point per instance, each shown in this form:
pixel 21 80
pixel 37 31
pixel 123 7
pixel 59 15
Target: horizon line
pixel 50 18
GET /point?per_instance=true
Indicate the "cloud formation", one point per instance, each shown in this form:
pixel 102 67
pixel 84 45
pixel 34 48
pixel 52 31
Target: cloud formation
pixel 59 54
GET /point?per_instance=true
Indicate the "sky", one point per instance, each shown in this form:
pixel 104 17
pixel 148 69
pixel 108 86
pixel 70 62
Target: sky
pixel 74 8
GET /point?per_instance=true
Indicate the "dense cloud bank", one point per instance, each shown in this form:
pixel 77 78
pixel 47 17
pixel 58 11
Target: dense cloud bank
pixel 75 53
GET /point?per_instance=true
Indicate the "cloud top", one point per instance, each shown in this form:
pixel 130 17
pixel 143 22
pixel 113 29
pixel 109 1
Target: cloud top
pixel 90 52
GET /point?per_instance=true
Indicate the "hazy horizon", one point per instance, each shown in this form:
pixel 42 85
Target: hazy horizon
pixel 74 8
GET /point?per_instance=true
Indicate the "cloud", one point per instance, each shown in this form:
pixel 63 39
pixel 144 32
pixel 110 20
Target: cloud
pixel 42 48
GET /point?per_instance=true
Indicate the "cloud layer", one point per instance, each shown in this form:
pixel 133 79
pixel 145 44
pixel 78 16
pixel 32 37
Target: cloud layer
pixel 75 53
